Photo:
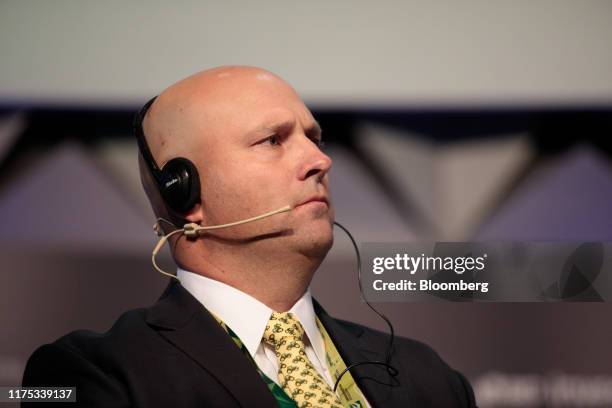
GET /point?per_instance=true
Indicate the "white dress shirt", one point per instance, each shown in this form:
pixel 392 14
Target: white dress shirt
pixel 248 318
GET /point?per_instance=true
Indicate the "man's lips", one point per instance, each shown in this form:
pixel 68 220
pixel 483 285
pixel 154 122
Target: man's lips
pixel 315 199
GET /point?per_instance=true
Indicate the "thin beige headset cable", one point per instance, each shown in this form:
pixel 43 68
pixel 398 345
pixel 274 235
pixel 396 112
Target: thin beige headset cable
pixel 193 230
pixel 159 245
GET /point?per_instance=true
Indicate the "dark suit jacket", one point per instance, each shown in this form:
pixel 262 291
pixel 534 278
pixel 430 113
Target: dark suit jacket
pixel 175 354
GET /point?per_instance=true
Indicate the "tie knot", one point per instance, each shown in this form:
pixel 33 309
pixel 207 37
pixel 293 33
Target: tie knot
pixel 283 326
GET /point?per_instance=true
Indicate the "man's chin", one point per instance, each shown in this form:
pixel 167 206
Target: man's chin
pixel 315 250
pixel 316 244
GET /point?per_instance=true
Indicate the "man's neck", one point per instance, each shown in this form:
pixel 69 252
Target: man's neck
pixel 277 281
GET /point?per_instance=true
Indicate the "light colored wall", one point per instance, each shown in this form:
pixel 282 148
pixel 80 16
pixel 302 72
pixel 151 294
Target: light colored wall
pixel 333 52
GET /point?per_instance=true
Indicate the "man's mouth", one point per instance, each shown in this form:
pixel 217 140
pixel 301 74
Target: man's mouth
pixel 314 200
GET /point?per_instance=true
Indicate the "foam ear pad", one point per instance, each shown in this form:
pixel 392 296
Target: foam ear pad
pixel 180 184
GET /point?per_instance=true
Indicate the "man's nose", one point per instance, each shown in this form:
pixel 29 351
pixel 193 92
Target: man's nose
pixel 314 162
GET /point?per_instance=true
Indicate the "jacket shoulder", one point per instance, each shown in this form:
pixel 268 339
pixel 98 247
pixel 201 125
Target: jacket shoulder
pixel 84 359
pixel 127 332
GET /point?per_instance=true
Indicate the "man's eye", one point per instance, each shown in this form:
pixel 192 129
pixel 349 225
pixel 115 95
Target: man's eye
pixel 273 140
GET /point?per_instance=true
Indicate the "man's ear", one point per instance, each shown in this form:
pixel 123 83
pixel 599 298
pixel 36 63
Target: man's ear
pixel 195 214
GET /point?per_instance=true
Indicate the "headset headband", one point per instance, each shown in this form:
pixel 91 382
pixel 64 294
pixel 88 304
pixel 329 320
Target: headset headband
pixel 142 141
pixel 177 181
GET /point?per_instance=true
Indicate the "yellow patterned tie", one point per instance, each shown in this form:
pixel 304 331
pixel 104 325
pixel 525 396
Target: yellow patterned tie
pixel 296 374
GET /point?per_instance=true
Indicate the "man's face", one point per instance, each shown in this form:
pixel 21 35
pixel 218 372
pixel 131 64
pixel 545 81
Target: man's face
pixel 261 153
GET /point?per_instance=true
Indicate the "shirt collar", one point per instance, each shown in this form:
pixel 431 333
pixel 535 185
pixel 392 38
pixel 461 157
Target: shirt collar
pixel 244 314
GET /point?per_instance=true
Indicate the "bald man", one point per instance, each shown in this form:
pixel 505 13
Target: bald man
pixel 237 326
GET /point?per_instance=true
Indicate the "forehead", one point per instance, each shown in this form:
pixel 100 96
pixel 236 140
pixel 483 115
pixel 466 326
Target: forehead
pixel 284 118
pixel 256 108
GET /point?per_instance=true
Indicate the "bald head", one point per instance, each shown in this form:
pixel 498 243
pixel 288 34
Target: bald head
pixel 181 120
pixel 192 116
pixel 256 148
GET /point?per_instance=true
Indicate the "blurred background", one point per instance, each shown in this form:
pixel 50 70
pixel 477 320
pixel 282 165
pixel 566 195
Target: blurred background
pixel 446 120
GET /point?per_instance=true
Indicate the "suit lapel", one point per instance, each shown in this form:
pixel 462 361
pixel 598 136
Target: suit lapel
pixel 380 388
pixel 186 324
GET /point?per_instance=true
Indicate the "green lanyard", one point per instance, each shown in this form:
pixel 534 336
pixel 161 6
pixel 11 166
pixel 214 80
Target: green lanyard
pixel 281 397
pixel 349 393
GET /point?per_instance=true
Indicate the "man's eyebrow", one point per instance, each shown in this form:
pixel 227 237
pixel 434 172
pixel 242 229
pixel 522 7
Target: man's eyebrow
pixel 274 127
pixel 313 130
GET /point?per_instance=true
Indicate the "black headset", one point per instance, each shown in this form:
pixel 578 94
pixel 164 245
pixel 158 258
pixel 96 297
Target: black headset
pixel 178 180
